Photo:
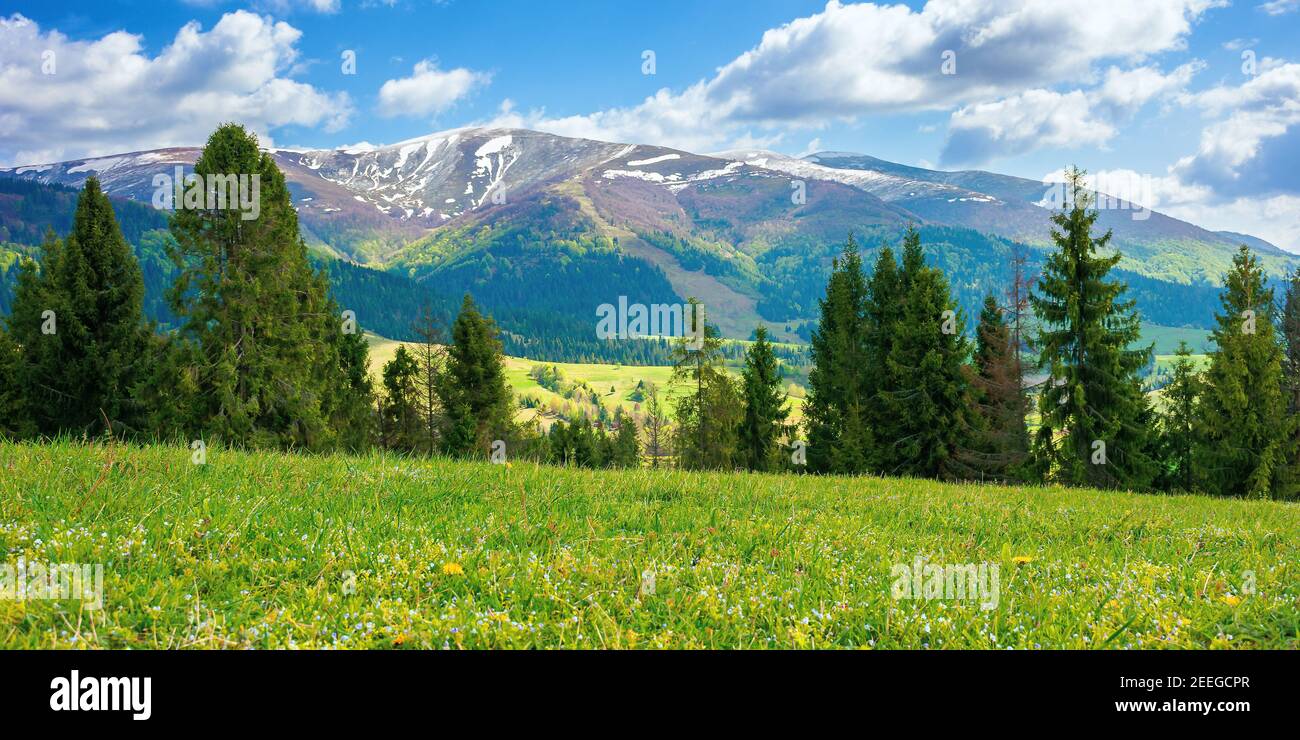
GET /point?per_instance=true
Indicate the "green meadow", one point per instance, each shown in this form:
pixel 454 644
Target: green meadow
pixel 272 550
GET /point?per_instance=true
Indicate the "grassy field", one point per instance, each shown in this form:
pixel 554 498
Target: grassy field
pixel 279 551
pixel 615 383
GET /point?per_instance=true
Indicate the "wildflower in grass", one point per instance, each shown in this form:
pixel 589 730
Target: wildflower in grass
pixel 452 569
pixel 1022 559
pixel 1230 599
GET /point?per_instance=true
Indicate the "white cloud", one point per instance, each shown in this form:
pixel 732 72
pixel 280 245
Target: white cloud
pixel 1033 119
pixel 280 7
pixel 108 95
pixel 428 91
pixel 1255 149
pixel 1275 218
pixel 1272 218
pixel 859 59
pixel 1045 118
pixel 1280 7
pixel 1125 91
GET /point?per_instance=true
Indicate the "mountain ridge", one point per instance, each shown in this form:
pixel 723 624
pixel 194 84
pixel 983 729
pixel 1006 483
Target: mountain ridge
pixel 514 213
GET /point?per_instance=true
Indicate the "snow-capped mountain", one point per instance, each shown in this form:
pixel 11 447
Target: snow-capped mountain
pixel 750 230
pixel 427 182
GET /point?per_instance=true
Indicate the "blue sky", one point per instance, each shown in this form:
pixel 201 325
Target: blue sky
pixel 1157 89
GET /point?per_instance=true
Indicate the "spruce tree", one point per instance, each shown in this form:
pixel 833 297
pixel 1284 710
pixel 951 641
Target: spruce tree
pixel 472 389
pixel 1178 420
pixel 1000 437
pixel 626 444
pixel 835 414
pixel 34 356
pixel 656 425
pixel 85 356
pixel 884 309
pixel 927 398
pixel 260 324
pixel 400 424
pixel 763 424
pixel 15 416
pixel 1094 415
pixel 431 358
pixel 1290 330
pixel 708 416
pixel 353 401
pixel 1246 441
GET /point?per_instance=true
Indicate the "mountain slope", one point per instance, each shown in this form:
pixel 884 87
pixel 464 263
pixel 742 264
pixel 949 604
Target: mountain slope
pixel 540 225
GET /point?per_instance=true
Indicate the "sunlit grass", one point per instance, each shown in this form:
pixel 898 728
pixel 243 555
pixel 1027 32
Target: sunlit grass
pixel 276 551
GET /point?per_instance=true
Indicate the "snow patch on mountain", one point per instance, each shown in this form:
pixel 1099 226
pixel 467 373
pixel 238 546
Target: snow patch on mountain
pixel 653 160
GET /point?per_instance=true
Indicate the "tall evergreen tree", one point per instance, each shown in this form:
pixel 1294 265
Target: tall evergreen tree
pixel 709 416
pixel 885 301
pixel 763 424
pixel 431 357
pixel 472 389
pixel 1000 437
pixel 400 424
pixel 1094 416
pixel 1178 420
pixel 927 397
pixel 656 425
pixel 261 327
pixel 1246 442
pixel 353 400
pixel 835 414
pixel 86 354
pixel 625 444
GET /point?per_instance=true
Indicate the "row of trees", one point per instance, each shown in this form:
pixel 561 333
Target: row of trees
pixel 264 357
pixel 898 389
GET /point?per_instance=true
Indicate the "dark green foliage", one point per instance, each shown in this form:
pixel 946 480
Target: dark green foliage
pixel 15 417
pixel 400 425
pixel 473 393
pixel 1246 439
pixel 577 443
pixel 836 411
pixel 625 445
pixel 1178 420
pixel 763 425
pixel 1289 326
pixel 926 399
pixel 352 401
pixel 263 335
pixel 1094 415
pixel 708 414
pixel 79 325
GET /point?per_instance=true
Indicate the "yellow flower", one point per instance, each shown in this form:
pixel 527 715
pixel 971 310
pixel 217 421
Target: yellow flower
pixel 1022 559
pixel 1230 599
pixel 399 640
pixel 452 569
